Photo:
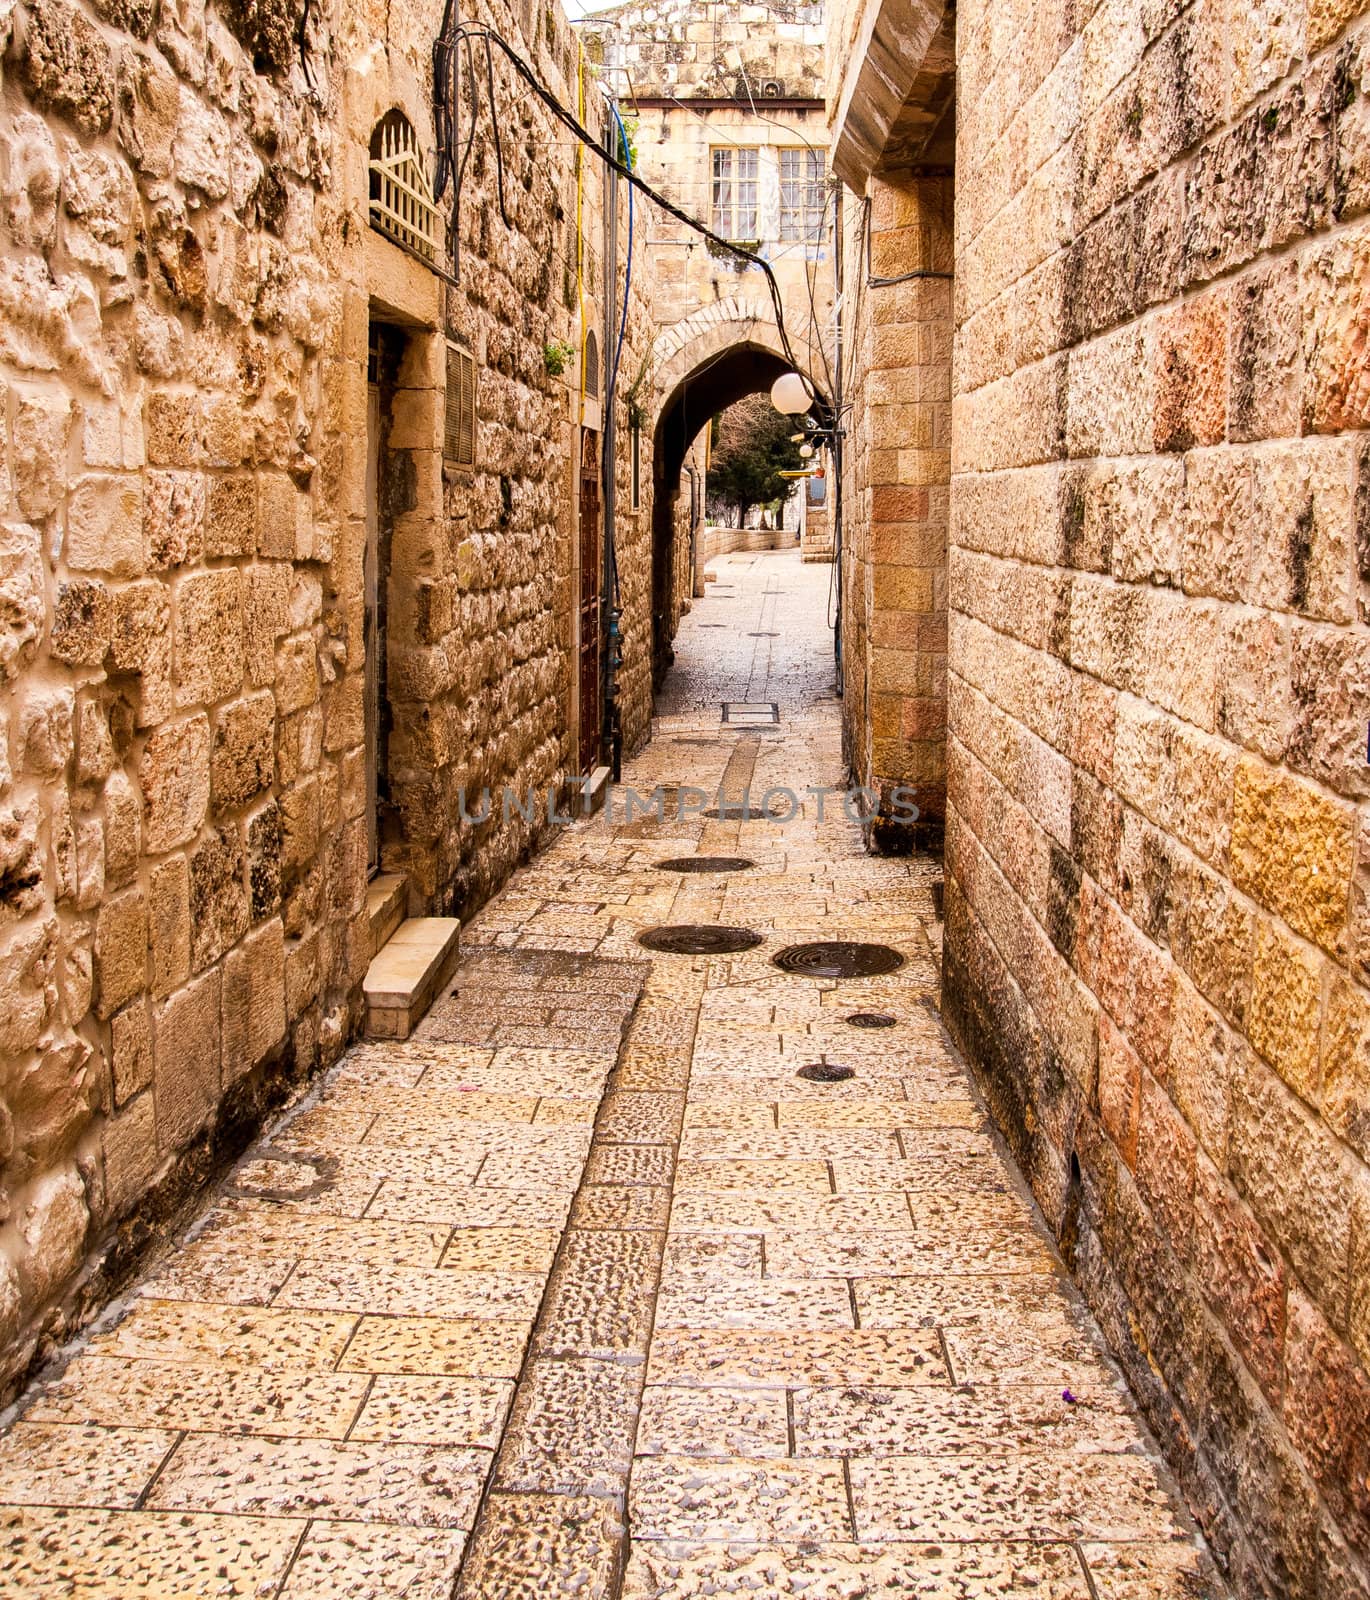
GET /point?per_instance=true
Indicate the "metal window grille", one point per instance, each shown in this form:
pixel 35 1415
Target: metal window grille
pixel 401 197
pixel 801 195
pixel 459 431
pixel 734 192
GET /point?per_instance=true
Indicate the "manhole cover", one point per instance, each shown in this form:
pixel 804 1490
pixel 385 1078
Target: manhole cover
pixel 826 1072
pixel 763 635
pixel 838 958
pixel 689 939
pixel 750 712
pixel 871 1019
pixel 713 624
pixel 742 811
pixel 704 864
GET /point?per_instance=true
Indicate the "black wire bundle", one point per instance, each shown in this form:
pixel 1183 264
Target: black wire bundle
pixel 458 37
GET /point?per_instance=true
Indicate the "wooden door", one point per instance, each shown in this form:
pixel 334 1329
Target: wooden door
pixel 374 639
pixel 590 744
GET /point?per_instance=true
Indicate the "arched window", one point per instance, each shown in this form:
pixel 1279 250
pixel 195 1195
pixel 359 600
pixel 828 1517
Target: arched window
pixel 401 196
pixel 592 364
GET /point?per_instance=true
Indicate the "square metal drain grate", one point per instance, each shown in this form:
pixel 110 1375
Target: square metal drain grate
pixel 751 713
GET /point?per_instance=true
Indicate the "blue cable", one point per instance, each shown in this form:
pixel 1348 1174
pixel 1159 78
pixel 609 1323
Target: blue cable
pixel 628 264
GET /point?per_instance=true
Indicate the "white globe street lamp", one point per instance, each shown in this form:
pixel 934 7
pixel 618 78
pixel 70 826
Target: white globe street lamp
pixel 791 394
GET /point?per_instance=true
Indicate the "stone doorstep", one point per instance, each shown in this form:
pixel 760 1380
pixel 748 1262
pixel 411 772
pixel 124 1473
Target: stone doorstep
pixel 404 978
pixel 386 896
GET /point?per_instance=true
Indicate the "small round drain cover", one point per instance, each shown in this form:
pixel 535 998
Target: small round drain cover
pixel 690 939
pixel 739 811
pixel 871 1019
pixel 704 864
pixel 826 1072
pixel 838 958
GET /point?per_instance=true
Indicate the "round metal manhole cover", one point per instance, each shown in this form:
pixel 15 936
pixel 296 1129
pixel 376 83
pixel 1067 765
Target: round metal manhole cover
pixel 826 1072
pixel 740 811
pixel 871 1019
pixel 838 958
pixel 689 939
pixel 705 864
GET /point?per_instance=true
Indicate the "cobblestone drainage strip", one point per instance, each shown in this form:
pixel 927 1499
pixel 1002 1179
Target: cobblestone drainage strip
pixel 838 958
pixel 871 1019
pixel 690 939
pixel 826 1072
pixel 705 864
pixel 750 713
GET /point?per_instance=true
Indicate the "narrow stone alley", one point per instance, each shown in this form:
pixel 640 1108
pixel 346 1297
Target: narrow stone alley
pixel 588 1289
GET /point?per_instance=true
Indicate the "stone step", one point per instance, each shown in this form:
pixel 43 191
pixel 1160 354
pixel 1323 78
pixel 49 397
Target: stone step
pixel 386 897
pixel 404 978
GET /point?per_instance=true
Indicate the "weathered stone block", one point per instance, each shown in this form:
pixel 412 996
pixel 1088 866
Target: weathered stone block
pixel 266 616
pixel 1336 298
pixel 253 1000
pixel 40 440
pixel 174 424
pixel 243 762
pixel 175 779
pixel 53 1227
pixel 1191 375
pixel 130 1051
pixel 209 636
pixel 81 622
pixel 47 731
pixel 1286 1004
pixel 1346 1063
pixel 121 948
pixel 105 526
pixel 282 518
pixel 186 1042
pixel 1241 1276
pixel 123 829
pixel 1292 850
pixel 66 65
pixel 174 518
pixel 230 523
pixel 218 895
pixel 297 674
pixel 264 861
pixel 1296 1178
pixel 128 1145
pixel 148 106
pixel 23 605
pixel 169 925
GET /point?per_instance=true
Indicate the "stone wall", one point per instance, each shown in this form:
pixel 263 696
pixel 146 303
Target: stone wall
pixel 896 464
pixel 1159 691
pixel 188 290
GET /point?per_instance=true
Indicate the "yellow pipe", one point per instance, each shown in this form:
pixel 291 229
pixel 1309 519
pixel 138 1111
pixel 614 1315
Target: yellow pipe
pixel 580 233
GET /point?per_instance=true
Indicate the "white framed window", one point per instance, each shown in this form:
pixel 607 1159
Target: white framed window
pixel 734 212
pixel 802 194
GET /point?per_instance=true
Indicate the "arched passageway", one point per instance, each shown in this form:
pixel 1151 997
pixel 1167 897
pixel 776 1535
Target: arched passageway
pixel 725 365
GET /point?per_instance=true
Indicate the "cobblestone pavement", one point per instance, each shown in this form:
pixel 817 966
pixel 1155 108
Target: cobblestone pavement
pixel 584 1291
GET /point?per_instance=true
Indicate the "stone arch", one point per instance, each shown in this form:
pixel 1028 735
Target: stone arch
pixel 703 364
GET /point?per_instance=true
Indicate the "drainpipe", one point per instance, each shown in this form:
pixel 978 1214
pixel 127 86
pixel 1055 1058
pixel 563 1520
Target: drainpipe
pixel 611 653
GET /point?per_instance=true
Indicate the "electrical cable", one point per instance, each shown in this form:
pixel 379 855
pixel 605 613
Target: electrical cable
pixel 573 124
pixel 872 282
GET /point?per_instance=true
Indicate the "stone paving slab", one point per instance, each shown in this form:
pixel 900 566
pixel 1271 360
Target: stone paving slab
pixel 582 1290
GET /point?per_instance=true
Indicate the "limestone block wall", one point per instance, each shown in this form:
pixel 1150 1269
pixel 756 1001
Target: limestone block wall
pixel 896 497
pixel 187 284
pixel 1158 700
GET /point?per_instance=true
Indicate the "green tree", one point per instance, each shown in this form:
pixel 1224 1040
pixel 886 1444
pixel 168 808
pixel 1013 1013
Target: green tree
pixel 751 448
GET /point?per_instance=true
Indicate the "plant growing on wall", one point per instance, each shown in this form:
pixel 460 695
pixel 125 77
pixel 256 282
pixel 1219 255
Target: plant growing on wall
pixel 555 354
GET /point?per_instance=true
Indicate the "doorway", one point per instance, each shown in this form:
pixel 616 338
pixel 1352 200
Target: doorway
pixel 383 355
pixel 589 609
